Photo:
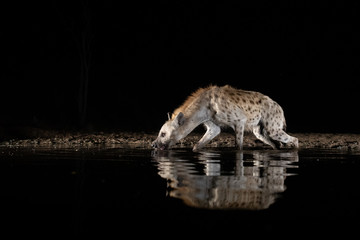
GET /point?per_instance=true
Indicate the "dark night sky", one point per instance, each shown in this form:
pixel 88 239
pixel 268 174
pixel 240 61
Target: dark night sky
pixel 147 57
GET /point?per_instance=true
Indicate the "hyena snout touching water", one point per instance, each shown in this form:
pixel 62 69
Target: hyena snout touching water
pixel 217 107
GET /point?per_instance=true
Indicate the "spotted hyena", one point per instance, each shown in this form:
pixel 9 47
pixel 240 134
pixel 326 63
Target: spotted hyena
pixel 217 107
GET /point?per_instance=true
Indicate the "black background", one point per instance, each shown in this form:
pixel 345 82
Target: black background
pixel 147 56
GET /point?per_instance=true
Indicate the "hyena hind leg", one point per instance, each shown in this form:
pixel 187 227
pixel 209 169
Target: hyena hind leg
pixel 263 136
pixel 282 136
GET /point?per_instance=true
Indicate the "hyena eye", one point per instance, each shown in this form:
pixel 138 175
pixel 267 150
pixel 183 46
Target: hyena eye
pixel 162 134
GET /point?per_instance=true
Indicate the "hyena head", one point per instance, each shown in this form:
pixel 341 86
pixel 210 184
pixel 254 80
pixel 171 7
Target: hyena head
pixel 169 133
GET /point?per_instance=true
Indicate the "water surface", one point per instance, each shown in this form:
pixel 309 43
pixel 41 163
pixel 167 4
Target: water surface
pixel 115 191
pixel 249 180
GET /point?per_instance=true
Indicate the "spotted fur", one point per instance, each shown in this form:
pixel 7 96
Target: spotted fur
pixel 225 106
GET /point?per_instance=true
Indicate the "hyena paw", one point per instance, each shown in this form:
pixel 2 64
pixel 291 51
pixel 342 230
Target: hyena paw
pixel 294 143
pixel 197 147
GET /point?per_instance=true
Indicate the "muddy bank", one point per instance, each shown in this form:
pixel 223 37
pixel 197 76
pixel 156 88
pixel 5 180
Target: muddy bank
pixel 143 140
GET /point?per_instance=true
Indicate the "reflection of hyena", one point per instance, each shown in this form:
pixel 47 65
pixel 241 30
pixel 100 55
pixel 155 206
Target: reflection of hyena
pixel 226 106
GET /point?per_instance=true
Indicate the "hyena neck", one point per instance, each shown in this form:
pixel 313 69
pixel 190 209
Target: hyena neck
pixel 193 101
pixel 193 118
pixel 194 110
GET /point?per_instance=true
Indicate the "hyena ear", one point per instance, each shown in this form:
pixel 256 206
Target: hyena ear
pixel 179 119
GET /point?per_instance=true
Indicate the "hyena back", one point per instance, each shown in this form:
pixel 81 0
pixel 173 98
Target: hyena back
pixel 216 107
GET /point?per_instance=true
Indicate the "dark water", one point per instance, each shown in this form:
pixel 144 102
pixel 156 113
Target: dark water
pixel 178 193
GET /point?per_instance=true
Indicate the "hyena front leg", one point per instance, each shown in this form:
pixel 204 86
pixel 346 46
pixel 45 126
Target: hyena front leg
pixel 212 130
pixel 239 133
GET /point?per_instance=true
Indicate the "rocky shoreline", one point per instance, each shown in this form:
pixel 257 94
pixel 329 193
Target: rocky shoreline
pixel 143 140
